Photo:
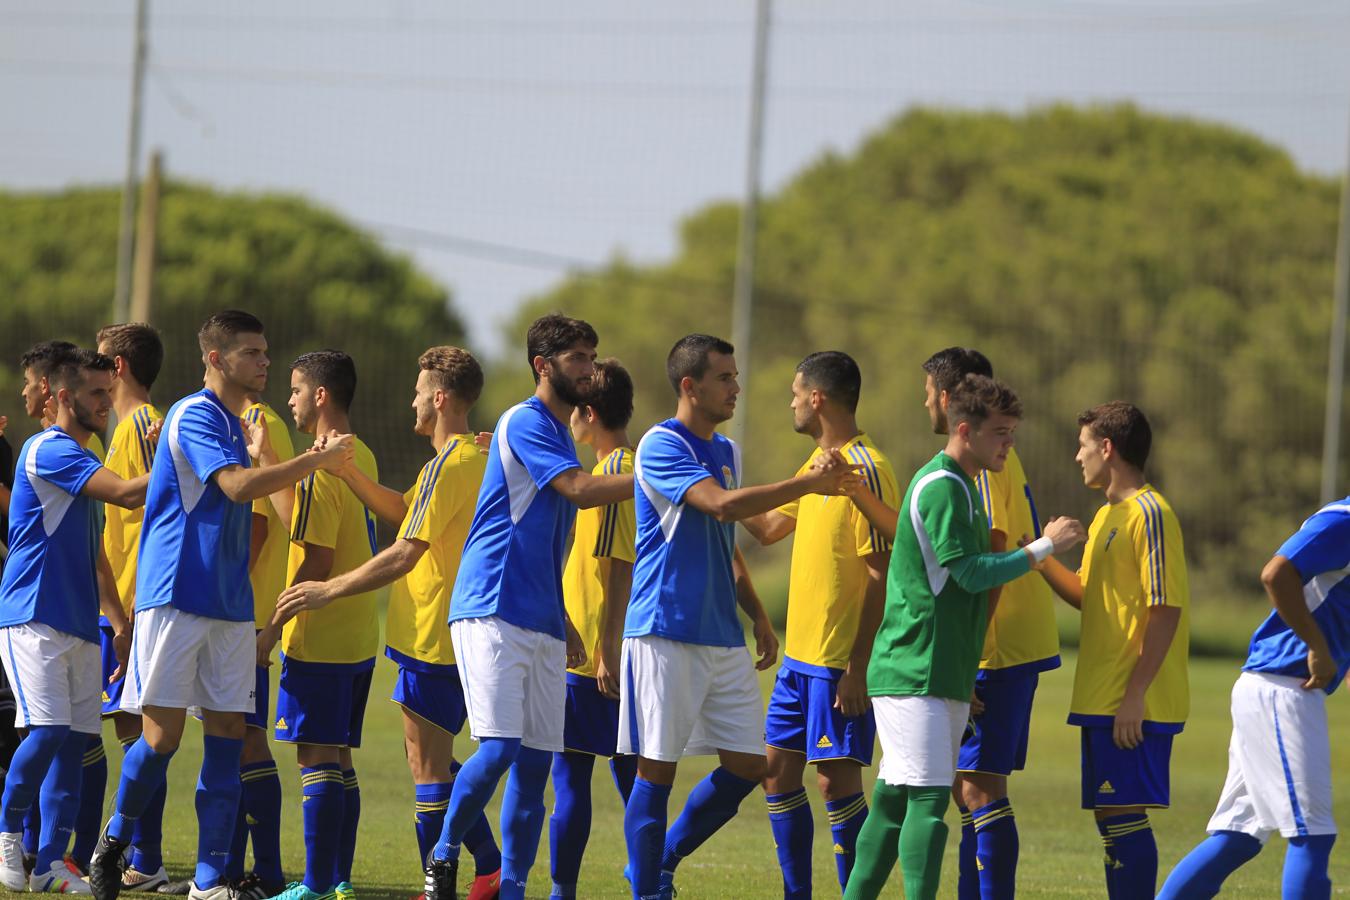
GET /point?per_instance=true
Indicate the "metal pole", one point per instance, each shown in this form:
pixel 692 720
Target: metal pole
pixel 127 225
pixel 744 296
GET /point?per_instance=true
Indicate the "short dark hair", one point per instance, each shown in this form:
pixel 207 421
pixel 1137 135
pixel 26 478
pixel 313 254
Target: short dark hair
pixel 68 370
pixel 977 397
pixel 552 334
pixel 219 331
pixel 689 357
pixel 835 374
pixel 332 370
pixel 137 343
pixel 42 357
pixel 611 394
pixel 951 365
pixel 1125 426
pixel 455 370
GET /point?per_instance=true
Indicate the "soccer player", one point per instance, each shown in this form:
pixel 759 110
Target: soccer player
pixel 194 642
pixel 39 400
pixel 1279 758
pixel 689 685
pixel 819 712
pixel 596 584
pixel 1130 690
pixel 433 520
pixel 327 655
pixel 54 584
pixel 927 651
pixel 510 632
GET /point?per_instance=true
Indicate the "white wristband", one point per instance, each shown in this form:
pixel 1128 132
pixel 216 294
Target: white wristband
pixel 1040 548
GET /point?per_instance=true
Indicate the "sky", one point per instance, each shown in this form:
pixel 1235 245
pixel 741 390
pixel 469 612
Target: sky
pixel 500 145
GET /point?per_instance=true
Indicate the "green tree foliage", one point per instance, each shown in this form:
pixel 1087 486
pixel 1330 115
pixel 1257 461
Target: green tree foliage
pixel 1093 253
pixel 313 279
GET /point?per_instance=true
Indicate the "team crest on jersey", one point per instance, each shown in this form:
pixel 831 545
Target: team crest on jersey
pixel 727 478
pixel 1109 538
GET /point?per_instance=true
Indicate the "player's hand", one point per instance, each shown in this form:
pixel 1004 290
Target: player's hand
pixel 152 433
pixel 1128 729
pixel 607 670
pixel 1321 670
pixel 4 421
pixel 576 650
pixel 1036 566
pixel 336 452
pixel 258 439
pixel 833 475
pixel 121 650
pixel 49 410
pixel 299 597
pixel 483 441
pixel 267 639
pixel 976 705
pixel 1065 533
pixel 766 644
pixel 850 695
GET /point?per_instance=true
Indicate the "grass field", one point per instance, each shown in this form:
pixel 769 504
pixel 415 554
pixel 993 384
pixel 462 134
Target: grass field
pixel 1060 856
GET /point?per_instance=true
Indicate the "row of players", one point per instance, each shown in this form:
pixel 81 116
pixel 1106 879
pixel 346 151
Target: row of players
pixel 689 685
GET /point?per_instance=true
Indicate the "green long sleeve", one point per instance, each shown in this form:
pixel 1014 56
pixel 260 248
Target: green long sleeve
pixel 989 570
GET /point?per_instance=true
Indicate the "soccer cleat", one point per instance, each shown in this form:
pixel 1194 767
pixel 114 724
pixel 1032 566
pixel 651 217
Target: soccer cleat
pixel 74 865
pixel 105 866
pixel 183 888
pixel 297 891
pixel 58 879
pixel 486 887
pixel 136 880
pixel 441 877
pixel 253 887
pixel 225 890
pixel 13 875
pixel 344 891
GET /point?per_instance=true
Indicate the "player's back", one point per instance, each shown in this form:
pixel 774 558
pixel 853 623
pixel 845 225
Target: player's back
pixel 602 533
pixel 130 455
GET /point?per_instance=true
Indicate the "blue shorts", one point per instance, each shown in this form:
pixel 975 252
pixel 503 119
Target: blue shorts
pixel 112 690
pixel 321 703
pixel 591 720
pixel 262 694
pixel 1116 777
pixel 436 697
pixel 802 719
pixel 995 742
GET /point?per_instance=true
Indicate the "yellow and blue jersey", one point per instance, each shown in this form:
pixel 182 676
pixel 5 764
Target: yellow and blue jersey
pixel 1022 633
pixel 328 514
pixel 1134 560
pixel 268 575
pixel 440 510
pixel 829 571
pixel 602 534
pixel 129 456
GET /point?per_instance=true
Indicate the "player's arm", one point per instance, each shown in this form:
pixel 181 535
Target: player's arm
pixel 110 604
pixel 385 567
pixel 586 491
pixel 617 575
pixel 4 500
pixel 851 693
pixel 983 571
pixel 766 642
pixel 770 527
pixel 1159 629
pixel 709 497
pixel 998 543
pixel 263 453
pixel 244 485
pixel 1063 581
pixel 877 512
pixel 386 503
pixel 109 487
pixel 1284 586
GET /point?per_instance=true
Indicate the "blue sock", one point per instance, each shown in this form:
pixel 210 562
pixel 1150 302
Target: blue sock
pixel 60 800
pixel 474 784
pixel 1305 867
pixel 217 801
pixel 32 828
pixel 322 793
pixel 478 839
pixel 27 772
pixel 430 802
pixel 522 819
pixel 1132 867
pixel 711 804
pixel 623 769
pixel 351 817
pixel 93 785
pixel 793 833
pixel 847 815
pixel 569 828
pixel 142 775
pixel 1201 873
pixel 260 804
pixel 968 870
pixel 234 862
pixel 996 847
pixel 147 838
pixel 644 830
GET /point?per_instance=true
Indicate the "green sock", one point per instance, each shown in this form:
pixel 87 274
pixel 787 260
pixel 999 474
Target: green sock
pixel 878 843
pixel 922 840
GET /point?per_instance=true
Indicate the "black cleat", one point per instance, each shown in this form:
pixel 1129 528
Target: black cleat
pixel 252 887
pixel 441 878
pixel 105 867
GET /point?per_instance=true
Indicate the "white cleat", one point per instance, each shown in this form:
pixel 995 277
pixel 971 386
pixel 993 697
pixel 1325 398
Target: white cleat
pixel 12 874
pixel 135 880
pixel 59 879
pixel 222 891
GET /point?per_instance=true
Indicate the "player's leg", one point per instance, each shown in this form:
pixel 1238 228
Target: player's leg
pixel 839 747
pixel 351 806
pixel 785 755
pixel 878 845
pixel 259 813
pixel 1123 786
pixel 94 782
pixel 840 783
pixel 934 730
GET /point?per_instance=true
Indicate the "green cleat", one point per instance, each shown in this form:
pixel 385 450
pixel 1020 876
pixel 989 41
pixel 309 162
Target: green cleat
pixel 344 891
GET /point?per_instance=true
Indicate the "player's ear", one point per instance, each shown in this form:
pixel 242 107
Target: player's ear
pixel 320 395
pixel 943 399
pixel 541 366
pixel 1108 449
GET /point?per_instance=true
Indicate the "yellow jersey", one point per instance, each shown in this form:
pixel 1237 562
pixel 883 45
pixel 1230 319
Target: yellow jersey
pixel 268 575
pixel 1134 560
pixel 1022 634
pixel 129 456
pixel 96 446
pixel 829 570
pixel 328 514
pixel 440 507
pixel 601 534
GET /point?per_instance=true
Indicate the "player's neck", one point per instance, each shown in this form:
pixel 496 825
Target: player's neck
pixel 128 397
pixel 447 426
pixel 332 420
pixel 1126 481
pixel 964 456
pixel 233 398
pixel 606 442
pixel 690 417
pixel 835 434
pixel 561 409
pixel 66 421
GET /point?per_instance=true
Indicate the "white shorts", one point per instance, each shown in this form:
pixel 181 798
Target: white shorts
pixel 56 677
pixel 1279 761
pixel 180 660
pixel 920 738
pixel 681 699
pixel 514 680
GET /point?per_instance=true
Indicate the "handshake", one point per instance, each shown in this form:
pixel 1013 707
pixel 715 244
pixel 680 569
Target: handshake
pixel 1060 534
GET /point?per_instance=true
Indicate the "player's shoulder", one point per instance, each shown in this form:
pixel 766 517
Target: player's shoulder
pixel 459 459
pixel 867 452
pixel 201 407
pixel 665 437
pixel 618 461
pixel 1148 508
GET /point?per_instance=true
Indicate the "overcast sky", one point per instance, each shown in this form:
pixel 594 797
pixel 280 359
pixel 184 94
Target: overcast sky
pixel 499 143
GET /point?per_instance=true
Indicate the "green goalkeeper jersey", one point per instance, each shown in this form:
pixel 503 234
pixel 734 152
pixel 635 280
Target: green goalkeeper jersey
pixel 932 631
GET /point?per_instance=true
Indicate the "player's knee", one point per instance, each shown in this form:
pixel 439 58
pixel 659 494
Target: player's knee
pixel 749 767
pixel 839 779
pixel 255 749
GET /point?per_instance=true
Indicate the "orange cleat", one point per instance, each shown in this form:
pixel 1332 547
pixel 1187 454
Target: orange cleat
pixel 486 887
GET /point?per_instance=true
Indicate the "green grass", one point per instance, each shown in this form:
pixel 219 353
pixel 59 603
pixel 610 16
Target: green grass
pixel 1060 856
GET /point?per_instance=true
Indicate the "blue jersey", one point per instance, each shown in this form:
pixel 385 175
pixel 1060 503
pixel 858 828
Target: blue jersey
pixel 54 532
pixel 194 539
pixel 1320 551
pixel 683 586
pixel 513 558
